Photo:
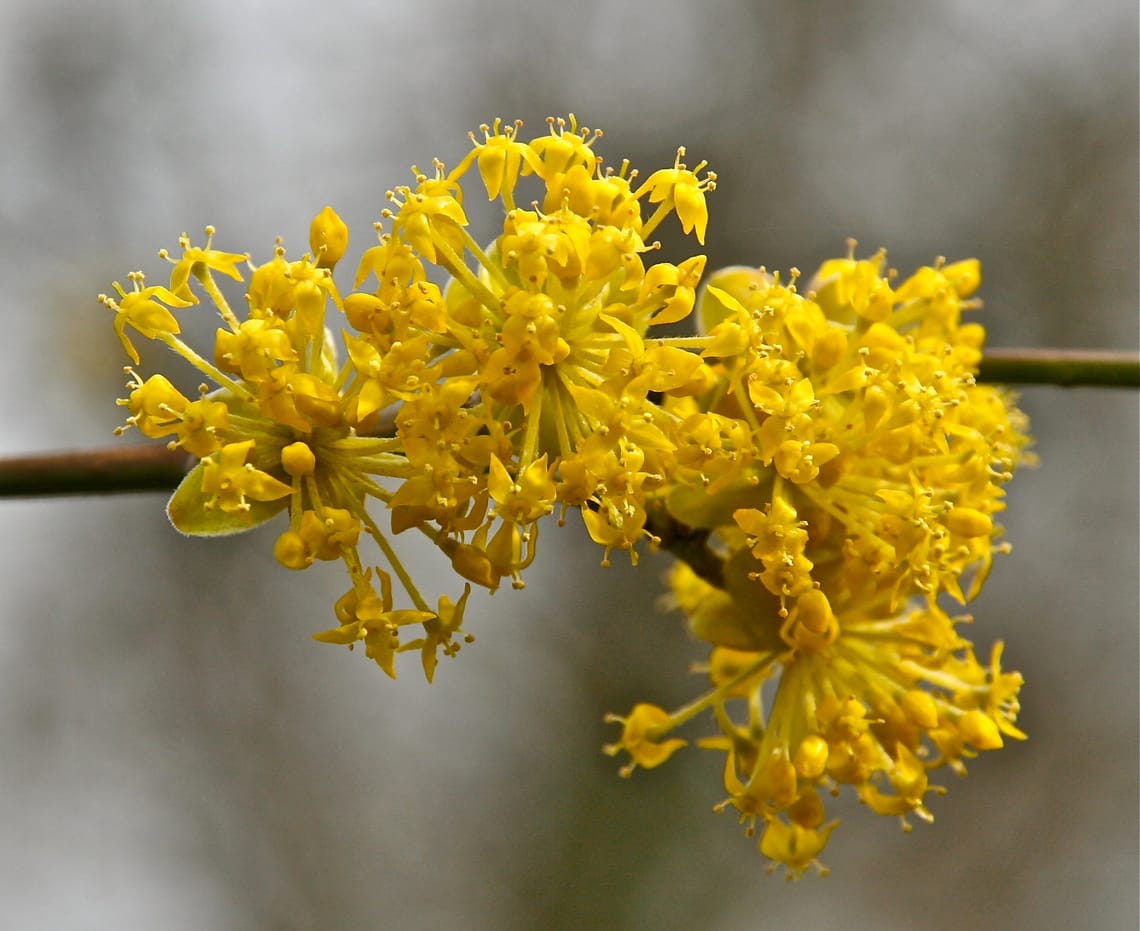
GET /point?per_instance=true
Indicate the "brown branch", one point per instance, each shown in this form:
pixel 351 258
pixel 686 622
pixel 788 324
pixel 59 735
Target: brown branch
pixel 94 471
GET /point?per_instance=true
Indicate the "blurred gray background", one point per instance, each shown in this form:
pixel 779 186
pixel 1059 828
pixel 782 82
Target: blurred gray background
pixel 176 753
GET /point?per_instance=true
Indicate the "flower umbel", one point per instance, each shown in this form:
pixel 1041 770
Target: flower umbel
pixel 845 473
pixel 470 412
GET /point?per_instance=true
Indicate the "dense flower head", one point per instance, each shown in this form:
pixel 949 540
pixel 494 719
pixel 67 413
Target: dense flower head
pixel 484 387
pixel 847 473
pixel 820 458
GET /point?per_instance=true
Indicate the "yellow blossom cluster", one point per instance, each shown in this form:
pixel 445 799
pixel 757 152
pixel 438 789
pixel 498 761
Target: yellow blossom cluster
pixel 844 472
pixel 521 387
pixel 820 459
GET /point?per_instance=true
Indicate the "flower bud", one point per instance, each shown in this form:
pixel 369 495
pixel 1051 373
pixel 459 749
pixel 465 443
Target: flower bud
pixel 328 238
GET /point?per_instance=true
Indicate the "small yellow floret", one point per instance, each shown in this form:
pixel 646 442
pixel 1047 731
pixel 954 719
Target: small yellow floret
pixel 638 740
pixel 232 482
pixel 794 846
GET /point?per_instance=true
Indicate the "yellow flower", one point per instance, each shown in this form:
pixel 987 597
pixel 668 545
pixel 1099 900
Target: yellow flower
pixel 199 262
pixel 143 310
pixel 682 190
pixel 368 616
pixel 156 406
pixel 794 846
pixel 501 158
pixel 232 483
pixel 255 350
pixel 441 632
pixel 640 738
